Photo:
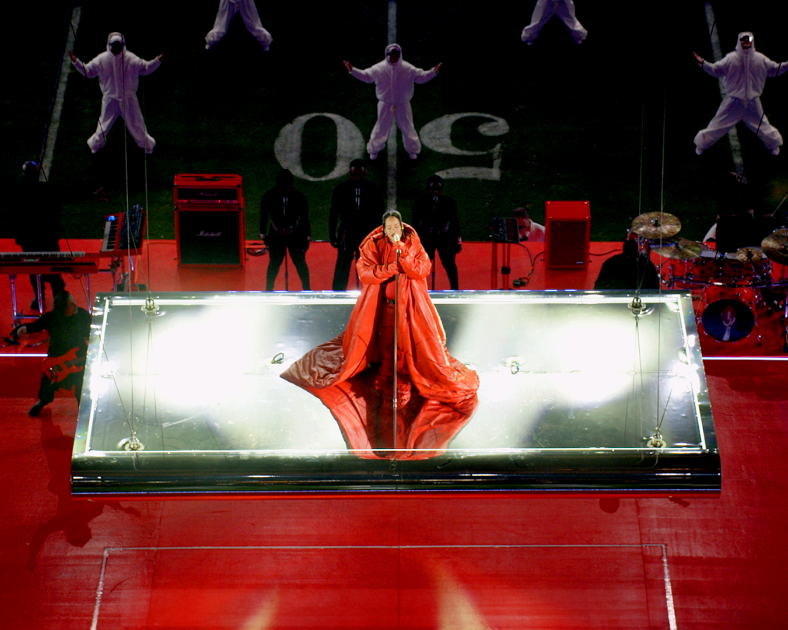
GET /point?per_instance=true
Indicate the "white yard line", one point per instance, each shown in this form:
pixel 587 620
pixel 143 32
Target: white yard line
pixel 57 109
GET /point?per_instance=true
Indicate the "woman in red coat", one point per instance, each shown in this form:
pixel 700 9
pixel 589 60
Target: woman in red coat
pixel 352 374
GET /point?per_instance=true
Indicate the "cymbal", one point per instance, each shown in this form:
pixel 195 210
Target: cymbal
pixel 775 246
pixel 656 225
pixel 679 249
pixel 747 254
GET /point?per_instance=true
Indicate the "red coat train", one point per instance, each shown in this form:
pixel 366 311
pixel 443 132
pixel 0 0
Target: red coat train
pixel 342 371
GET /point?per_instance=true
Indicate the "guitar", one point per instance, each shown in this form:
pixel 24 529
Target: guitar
pixel 58 368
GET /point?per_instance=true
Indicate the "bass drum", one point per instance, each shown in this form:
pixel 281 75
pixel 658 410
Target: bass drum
pixel 728 319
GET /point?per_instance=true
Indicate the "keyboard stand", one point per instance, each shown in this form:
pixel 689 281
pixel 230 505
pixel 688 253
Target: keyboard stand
pixel 19 317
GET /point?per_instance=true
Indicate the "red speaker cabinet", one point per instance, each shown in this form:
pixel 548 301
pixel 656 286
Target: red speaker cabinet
pixel 567 234
pixel 209 220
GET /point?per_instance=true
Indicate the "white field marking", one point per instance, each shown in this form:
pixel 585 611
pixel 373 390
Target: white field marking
pixel 436 135
pixel 57 110
pixel 667 583
pixel 288 144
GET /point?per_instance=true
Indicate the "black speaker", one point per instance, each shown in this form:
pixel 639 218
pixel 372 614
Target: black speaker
pixel 209 236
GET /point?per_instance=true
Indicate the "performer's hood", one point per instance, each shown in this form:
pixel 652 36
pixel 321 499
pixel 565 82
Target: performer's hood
pixel 396 47
pixel 116 37
pixel 408 234
pixel 745 51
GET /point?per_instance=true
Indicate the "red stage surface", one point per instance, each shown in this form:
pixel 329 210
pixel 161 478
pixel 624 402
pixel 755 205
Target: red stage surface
pixel 395 562
pixel 479 269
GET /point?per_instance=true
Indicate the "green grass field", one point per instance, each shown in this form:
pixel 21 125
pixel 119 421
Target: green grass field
pixel 610 121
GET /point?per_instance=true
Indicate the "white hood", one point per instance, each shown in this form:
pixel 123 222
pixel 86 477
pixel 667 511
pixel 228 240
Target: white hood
pixel 396 47
pixel 113 37
pixel 745 51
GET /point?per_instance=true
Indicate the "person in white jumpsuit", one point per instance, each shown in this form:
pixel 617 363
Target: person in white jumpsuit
pixel 544 10
pixel 394 79
pixel 248 11
pixel 118 71
pixel 744 73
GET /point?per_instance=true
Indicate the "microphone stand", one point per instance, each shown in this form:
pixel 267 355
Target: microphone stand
pixel 396 350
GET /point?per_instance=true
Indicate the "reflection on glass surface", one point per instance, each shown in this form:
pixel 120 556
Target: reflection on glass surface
pixel 577 392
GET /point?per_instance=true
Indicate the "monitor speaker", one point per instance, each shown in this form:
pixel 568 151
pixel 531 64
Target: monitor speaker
pixel 567 234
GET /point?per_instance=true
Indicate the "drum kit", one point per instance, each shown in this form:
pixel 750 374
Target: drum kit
pixel 733 287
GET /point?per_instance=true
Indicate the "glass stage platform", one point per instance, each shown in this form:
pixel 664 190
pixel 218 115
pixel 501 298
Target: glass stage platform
pixel 581 392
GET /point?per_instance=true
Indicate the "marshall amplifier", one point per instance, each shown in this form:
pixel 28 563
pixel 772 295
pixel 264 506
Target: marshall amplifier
pixel 209 219
pixel 209 189
pixel 209 235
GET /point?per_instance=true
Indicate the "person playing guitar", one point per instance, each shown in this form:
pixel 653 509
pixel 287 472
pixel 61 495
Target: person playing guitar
pixel 69 327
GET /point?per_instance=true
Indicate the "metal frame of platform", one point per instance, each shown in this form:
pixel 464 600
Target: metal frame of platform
pixel 580 393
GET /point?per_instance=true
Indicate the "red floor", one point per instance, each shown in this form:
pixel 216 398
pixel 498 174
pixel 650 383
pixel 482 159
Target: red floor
pixel 423 562
pixel 158 269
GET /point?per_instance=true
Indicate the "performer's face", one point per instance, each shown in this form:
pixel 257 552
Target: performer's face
pixel 358 172
pixel 746 42
pixel 393 56
pixel 393 227
pixel 116 48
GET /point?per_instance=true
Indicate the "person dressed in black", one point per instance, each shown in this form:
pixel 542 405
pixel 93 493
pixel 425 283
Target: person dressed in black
pixel 435 219
pixel 69 327
pixel 284 227
pixel 356 208
pixel 37 225
pixel 629 270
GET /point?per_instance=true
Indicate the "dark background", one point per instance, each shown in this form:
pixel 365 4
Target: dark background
pixel 611 121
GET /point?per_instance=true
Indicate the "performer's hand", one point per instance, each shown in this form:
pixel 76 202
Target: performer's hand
pixel 334 244
pixel 438 67
pixel 459 244
pixel 22 330
pixel 698 57
pixel 348 65
pixel 308 243
pixel 73 56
